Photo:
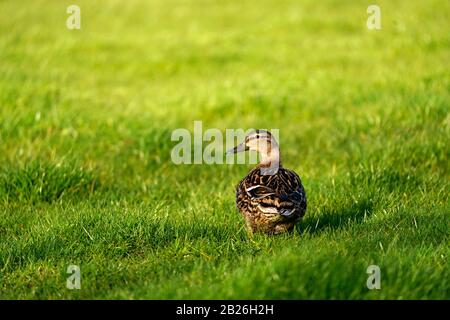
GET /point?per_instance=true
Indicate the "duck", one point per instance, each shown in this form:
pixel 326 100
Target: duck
pixel 270 198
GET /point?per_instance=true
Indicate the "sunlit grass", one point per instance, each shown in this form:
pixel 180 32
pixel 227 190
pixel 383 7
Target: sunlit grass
pixel 86 177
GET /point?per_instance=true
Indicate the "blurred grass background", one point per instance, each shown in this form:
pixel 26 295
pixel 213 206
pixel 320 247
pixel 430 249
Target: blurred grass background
pixel 86 118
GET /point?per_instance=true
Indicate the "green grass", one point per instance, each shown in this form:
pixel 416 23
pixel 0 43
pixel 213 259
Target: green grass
pixel 86 176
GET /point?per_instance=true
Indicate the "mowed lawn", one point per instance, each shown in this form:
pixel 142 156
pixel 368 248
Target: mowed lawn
pixel 86 176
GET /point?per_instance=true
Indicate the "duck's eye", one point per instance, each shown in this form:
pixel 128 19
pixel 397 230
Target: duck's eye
pixel 257 136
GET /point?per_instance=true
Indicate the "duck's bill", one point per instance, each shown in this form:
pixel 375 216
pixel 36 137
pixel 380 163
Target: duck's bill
pixel 239 148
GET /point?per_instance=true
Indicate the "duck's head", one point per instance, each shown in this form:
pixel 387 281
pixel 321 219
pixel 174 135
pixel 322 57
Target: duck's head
pixel 262 142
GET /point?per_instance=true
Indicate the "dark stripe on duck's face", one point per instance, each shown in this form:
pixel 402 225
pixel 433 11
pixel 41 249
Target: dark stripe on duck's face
pixel 259 136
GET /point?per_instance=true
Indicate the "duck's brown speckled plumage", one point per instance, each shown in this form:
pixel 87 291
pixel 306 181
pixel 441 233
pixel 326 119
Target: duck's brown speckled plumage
pixel 271 203
pixel 270 198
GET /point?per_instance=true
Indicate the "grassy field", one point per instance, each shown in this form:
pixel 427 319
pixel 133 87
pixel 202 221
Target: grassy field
pixel 86 176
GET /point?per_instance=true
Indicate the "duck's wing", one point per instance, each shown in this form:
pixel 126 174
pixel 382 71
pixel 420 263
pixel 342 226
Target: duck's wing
pixel 282 193
pixel 292 194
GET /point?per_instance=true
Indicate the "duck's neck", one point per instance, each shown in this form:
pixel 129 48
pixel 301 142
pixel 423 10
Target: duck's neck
pixel 271 158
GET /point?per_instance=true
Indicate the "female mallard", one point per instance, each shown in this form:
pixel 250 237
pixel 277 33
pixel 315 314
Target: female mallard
pixel 271 198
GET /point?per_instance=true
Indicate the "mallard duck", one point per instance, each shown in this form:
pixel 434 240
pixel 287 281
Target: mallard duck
pixel 271 198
